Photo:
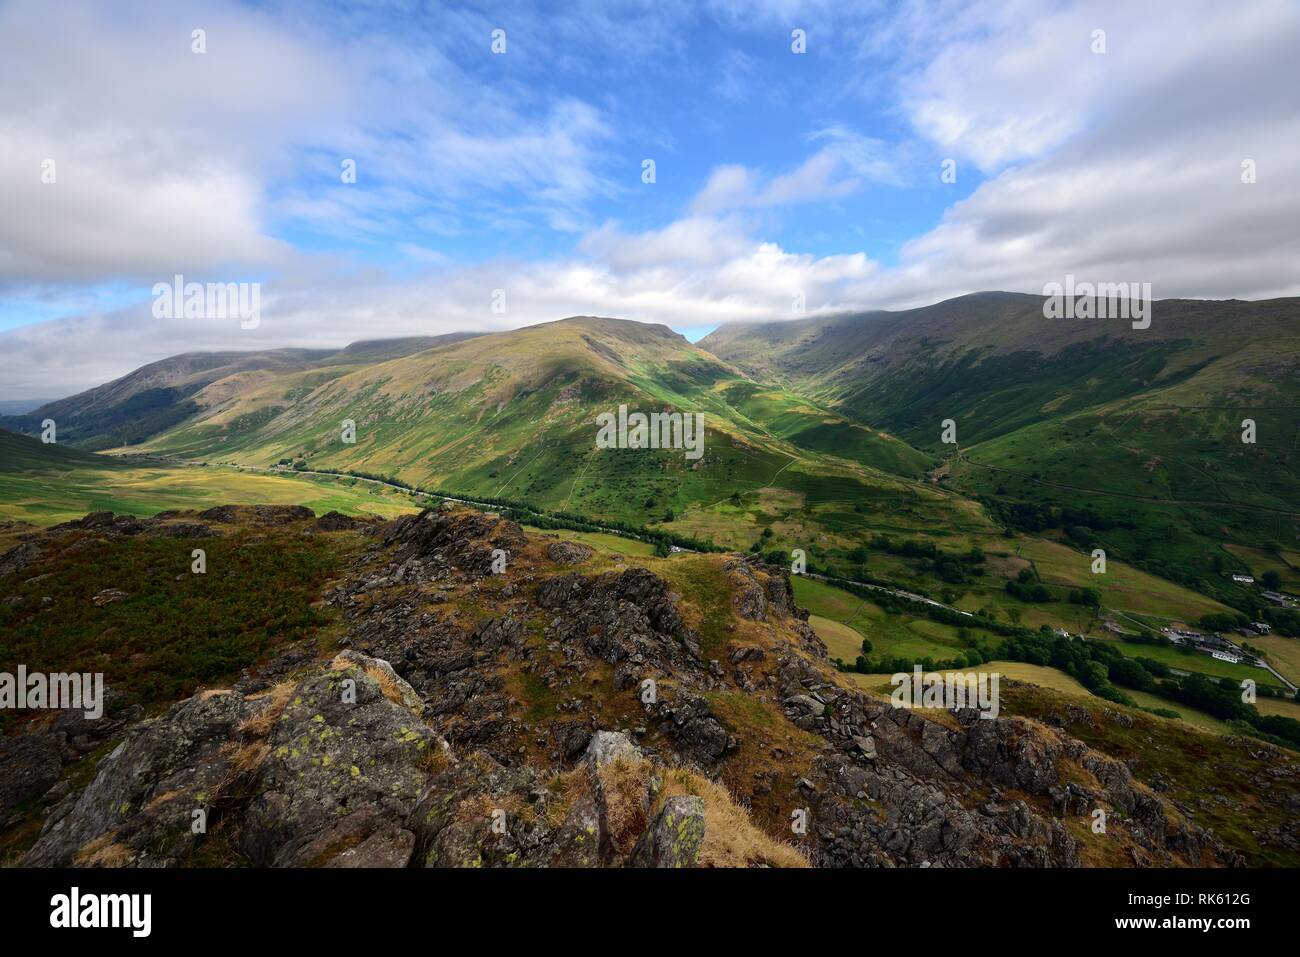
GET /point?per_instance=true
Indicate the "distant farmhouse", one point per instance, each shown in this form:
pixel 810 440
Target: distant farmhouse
pixel 1244 579
pixel 1216 646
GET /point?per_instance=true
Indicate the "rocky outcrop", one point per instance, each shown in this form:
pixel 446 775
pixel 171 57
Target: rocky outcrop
pixel 332 764
pixel 464 541
pixel 19 557
pixel 546 717
pixel 900 788
pixel 569 553
pixel 338 522
pixel 345 763
pixel 30 764
pixel 265 515
pixel 139 807
pixel 622 616
pixel 179 530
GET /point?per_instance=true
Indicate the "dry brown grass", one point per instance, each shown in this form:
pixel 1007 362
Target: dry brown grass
pixel 387 686
pixel 103 851
pixel 259 725
pixel 248 754
pixel 625 783
pixel 163 799
pixel 571 786
pixel 730 838
pixel 437 759
pixel 247 757
pixel 481 807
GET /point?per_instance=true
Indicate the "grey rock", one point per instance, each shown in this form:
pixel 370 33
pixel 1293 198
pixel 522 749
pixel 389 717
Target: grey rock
pixel 569 553
pixel 675 836
pixel 30 764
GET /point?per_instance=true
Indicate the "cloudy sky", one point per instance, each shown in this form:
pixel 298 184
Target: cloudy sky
pixel 126 157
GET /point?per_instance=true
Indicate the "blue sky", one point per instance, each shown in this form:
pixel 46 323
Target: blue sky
pixel 780 177
pixel 697 93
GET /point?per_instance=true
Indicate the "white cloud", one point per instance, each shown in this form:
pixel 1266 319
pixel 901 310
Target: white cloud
pixel 1129 161
pixel 699 241
pixel 826 175
pixel 729 187
pixel 158 152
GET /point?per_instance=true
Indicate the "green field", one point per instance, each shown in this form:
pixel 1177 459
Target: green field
pixel 1015 670
pixel 905 635
pixel 1045 677
pixel 1194 661
pixel 1283 654
pixel 46 497
pixel 841 641
pixel 1286 707
pixel 1257 561
pixel 1121 587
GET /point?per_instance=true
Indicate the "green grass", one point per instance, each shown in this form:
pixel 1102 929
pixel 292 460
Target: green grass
pixel 1193 716
pixel 1039 675
pixel 908 636
pixel 1283 654
pixel 49 496
pixel 702 582
pixel 841 641
pixel 1121 587
pixel 21 453
pixel 175 631
pixel 1194 661
pixel 1258 561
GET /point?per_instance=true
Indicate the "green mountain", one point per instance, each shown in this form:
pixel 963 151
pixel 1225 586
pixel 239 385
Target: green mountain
pixel 21 453
pixel 1131 438
pixel 155 397
pixel 509 415
pixel 820 436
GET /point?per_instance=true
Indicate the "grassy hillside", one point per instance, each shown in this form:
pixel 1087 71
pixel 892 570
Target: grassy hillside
pixel 513 415
pixel 21 454
pixel 162 394
pixel 174 631
pixel 1132 438
pixel 45 484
